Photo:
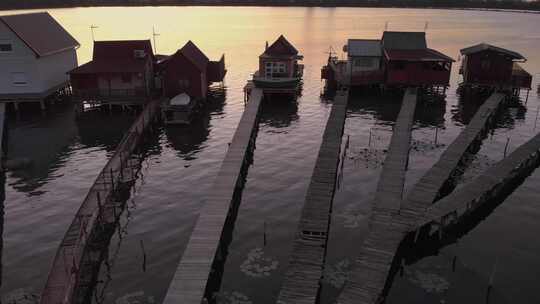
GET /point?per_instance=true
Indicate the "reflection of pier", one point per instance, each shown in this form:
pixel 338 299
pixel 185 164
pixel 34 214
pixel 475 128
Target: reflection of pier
pixel 207 247
pixel 68 267
pixel 306 265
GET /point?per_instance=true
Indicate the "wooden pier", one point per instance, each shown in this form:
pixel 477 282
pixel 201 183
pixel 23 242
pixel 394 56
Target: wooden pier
pixel 68 265
pixel 440 179
pixel 301 284
pixel 189 284
pixel 377 252
pixel 369 279
pixel 2 124
pixel 486 186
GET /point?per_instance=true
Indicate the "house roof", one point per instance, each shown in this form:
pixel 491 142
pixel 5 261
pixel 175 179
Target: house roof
pixel 404 40
pixel 40 32
pixel 281 47
pixel 484 46
pixel 364 48
pixel 417 55
pixel 195 55
pixel 116 57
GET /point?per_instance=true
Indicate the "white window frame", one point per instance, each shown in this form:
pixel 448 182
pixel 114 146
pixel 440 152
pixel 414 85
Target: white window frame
pixel 16 83
pixel 271 68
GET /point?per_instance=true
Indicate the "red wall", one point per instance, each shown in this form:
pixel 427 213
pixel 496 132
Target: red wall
pixel 499 71
pixel 416 74
pixel 178 68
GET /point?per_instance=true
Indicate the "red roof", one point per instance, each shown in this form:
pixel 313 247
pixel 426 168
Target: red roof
pixel 281 47
pixel 416 55
pixel 117 57
pixel 195 55
pixel 40 32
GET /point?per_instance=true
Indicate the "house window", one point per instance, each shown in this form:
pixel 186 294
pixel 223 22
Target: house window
pixel 183 83
pixel 126 78
pixel 5 47
pixel 274 69
pixel 363 62
pixel 19 79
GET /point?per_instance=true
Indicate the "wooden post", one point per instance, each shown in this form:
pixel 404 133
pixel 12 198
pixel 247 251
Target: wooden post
pixel 506 146
pixel 436 134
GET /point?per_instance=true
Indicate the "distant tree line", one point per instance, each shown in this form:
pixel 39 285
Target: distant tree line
pixel 482 4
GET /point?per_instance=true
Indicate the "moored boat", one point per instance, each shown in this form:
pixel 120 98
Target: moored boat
pixel 179 109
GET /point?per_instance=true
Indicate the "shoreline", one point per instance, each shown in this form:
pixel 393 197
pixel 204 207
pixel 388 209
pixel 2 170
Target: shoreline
pixel 289 4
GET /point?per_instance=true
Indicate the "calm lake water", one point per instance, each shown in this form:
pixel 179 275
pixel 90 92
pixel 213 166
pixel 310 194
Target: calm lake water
pixel 68 154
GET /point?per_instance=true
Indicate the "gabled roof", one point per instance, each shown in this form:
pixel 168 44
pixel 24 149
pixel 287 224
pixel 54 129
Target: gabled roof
pixel 281 47
pixel 364 48
pixel 195 55
pixel 117 57
pixel 122 50
pixel 404 40
pixel 40 32
pixel 484 46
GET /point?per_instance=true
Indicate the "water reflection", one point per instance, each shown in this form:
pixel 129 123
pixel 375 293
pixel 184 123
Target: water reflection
pixel 103 129
pixel 381 107
pixel 45 142
pixel 279 113
pixel 430 113
pixel 188 140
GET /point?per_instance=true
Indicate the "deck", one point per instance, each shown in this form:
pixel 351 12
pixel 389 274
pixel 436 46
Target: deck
pixel 63 279
pixel 301 284
pixel 2 122
pixel 377 252
pixel 192 274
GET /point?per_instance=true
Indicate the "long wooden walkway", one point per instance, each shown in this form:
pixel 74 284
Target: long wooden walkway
pixel 301 284
pixel 64 276
pixel 441 176
pixel 486 186
pixel 377 251
pixel 2 122
pixel 192 275
pixel 367 282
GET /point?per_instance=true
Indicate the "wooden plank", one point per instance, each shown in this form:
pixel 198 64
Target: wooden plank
pixel 191 277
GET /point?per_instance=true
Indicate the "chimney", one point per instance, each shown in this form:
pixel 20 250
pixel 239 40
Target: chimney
pixel 266 47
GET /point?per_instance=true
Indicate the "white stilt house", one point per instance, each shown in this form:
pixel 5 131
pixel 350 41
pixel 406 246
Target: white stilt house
pixel 36 53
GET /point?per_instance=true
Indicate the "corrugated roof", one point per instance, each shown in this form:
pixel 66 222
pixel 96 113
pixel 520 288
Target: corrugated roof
pixel 417 55
pixel 404 40
pixel 281 47
pixel 122 66
pixel 484 46
pixel 40 32
pixel 364 48
pixel 195 55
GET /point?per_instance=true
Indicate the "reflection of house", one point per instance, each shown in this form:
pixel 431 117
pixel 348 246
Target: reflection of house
pixel 410 62
pixel 35 55
pixel 491 66
pixel 119 70
pixel 190 71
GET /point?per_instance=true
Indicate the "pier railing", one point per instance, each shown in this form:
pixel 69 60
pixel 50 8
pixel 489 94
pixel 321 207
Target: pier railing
pixel 63 277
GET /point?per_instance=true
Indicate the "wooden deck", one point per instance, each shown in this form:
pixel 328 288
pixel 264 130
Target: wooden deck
pixel 388 227
pixel 63 278
pixel 301 284
pixel 192 275
pixel 377 252
pixel 2 122
pixel 486 186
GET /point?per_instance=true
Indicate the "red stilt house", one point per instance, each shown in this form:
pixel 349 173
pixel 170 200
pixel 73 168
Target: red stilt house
pixel 490 66
pixel 189 71
pixel 409 62
pixel 119 71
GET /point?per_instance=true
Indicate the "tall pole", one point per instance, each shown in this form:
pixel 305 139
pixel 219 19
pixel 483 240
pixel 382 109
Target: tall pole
pixel 92 27
pixel 154 34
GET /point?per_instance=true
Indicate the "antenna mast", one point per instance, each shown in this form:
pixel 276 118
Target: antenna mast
pixel 154 35
pixel 92 27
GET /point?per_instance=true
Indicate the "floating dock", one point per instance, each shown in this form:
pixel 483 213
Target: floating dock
pixel 192 276
pixel 377 251
pixel 301 284
pixel 63 279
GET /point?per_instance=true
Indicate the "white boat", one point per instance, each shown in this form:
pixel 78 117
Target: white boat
pixel 179 109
